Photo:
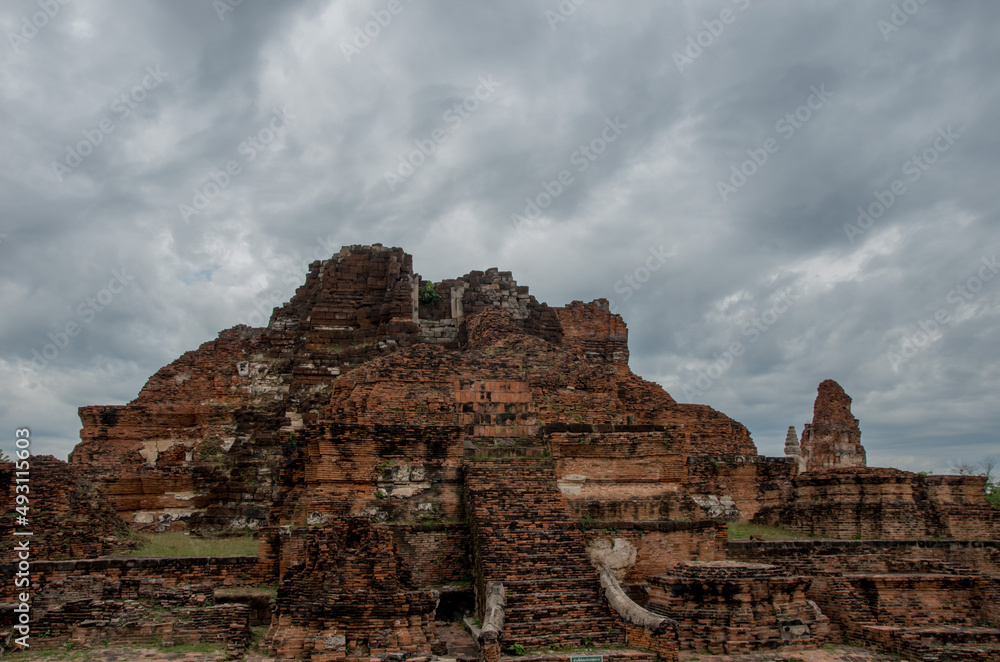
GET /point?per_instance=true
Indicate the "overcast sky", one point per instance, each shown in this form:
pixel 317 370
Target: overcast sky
pixel 700 164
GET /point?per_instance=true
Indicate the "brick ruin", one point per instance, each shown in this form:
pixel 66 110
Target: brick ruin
pixel 75 519
pixel 405 459
pixel 836 495
pixel 833 439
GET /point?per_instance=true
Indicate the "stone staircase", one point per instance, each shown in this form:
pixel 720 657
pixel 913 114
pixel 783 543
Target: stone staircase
pixel 523 536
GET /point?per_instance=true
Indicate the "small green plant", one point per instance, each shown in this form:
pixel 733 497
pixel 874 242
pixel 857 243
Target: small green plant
pixel 587 642
pixel 744 530
pixel 586 522
pixel 994 496
pixel 209 450
pixel 429 295
pixel 517 649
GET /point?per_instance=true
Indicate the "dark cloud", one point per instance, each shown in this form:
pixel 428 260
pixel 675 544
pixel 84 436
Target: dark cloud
pixel 858 298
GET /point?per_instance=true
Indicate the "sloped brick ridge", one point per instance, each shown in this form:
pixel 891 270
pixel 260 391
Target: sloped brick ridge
pixel 203 443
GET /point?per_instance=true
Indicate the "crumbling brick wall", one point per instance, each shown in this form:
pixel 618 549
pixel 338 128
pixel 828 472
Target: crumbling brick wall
pixel 880 503
pixel 68 516
pixel 351 590
pixel 136 601
pixel 727 607
pixel 740 477
pixel 170 572
pixel 912 597
pixel 872 556
pixel 635 551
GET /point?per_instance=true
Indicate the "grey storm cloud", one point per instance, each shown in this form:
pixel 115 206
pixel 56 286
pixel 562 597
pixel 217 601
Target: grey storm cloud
pixel 771 194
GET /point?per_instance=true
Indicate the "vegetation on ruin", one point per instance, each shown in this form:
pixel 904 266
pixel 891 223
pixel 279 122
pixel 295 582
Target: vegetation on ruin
pixel 429 295
pixel 987 468
pixel 743 531
pixel 181 544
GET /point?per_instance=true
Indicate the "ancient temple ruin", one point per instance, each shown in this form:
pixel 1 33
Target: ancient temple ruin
pixel 405 460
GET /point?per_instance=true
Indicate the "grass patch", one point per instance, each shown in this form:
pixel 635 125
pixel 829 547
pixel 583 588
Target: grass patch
pixel 181 544
pixel 204 647
pixel 73 651
pixel 743 531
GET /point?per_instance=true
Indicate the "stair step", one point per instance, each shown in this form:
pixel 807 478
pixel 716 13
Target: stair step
pixel 530 612
pixel 561 625
pixel 534 642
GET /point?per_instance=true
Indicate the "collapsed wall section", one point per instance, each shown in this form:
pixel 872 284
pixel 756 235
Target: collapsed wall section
pixel 351 590
pixel 68 516
pixel 880 503
pixel 129 601
pixel 919 598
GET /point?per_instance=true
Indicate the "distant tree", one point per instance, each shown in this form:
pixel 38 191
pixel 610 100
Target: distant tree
pixel 988 467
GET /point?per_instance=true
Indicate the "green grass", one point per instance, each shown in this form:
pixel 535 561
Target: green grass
pixel 180 544
pixel 743 530
pixel 67 653
pixel 203 647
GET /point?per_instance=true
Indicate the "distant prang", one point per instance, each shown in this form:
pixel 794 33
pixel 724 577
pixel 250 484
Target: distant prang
pixel 833 439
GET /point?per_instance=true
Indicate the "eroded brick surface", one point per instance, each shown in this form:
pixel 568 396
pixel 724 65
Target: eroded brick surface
pixel 833 439
pixel 880 503
pixel 203 444
pixel 67 515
